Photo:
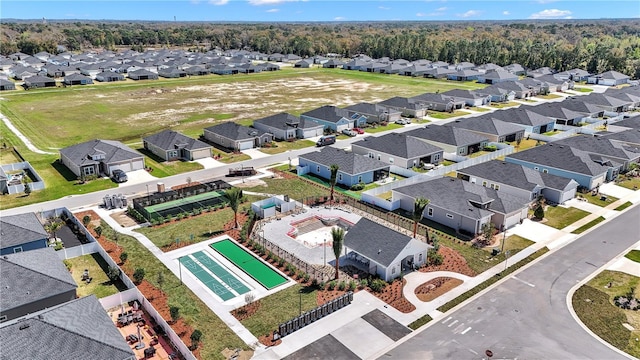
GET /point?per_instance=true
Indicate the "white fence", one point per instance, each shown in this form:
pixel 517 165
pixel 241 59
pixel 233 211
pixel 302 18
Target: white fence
pixel 80 250
pixel 394 169
pixel 471 161
pixel 36 184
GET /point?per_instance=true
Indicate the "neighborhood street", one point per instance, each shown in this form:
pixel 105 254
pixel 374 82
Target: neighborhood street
pixel 527 316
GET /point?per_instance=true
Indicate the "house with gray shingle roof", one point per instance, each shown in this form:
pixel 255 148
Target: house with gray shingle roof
pixel 7 85
pixel 438 102
pixel 561 114
pixel 77 79
pixel 108 76
pixel 520 181
pixel 407 106
pixel 97 157
pixel 470 97
pixel 21 232
pixel 353 168
pixel 334 118
pixel 495 130
pixel 37 81
pixel 74 330
pixel 609 78
pixel 237 137
pixel 630 123
pixel 438 72
pixel 171 145
pixel 588 170
pixel 532 122
pixel 285 126
pixel 399 150
pixel 621 153
pixel 142 74
pixel 332 64
pixel 496 76
pixel 573 74
pixel 464 75
pixel 375 113
pixel 507 91
pixel 382 251
pixel 515 69
pixel 32 281
pixel 452 140
pixel 461 205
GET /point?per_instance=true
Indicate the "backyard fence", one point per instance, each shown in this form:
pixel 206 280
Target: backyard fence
pixel 312 315
pixel 16 185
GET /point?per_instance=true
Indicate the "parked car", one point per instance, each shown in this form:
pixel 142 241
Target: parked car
pixel 119 176
pixel 326 140
pixel 349 132
pixel 358 130
pixel 401 122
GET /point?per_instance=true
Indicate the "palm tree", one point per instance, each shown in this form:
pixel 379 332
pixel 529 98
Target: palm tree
pixel 234 195
pixel 337 234
pixel 418 209
pixel 334 175
pixel 53 226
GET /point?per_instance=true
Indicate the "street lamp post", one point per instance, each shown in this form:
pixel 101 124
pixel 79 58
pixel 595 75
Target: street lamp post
pixel 504 237
pixel 324 246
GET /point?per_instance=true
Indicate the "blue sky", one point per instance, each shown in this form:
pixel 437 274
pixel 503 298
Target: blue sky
pixel 318 10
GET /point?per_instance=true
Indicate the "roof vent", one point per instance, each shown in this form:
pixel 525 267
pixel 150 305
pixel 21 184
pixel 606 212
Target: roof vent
pixel 24 326
pixel 379 251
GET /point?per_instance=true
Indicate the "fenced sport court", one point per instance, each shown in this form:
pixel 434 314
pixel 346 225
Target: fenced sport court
pixel 185 205
pixel 214 276
pixel 248 263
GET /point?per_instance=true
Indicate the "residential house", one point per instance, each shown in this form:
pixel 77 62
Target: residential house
pixel 630 94
pixel 393 68
pixel 619 153
pixel 38 81
pixel 540 72
pixel 353 169
pixel 68 331
pixel 332 64
pixel 536 87
pixel 463 206
pixel 493 129
pixel 356 64
pixel 465 65
pixel 516 69
pixel 77 79
pixel 375 113
pixel 196 70
pixel 631 122
pixel 382 251
pixel 334 118
pixel 399 150
pixel 532 122
pixel 464 75
pixel 438 102
pixel 415 70
pixel 277 57
pixel 470 97
pixel 222 69
pixel 609 78
pixel 285 126
pixel 507 91
pixel 142 74
pixel 97 157
pixel 21 232
pixel 452 140
pixel 248 68
pixel 438 72
pixel 488 67
pixel 573 75
pixel 407 107
pixel 611 104
pixel 268 66
pixel 497 76
pixel 108 76
pixel 32 281
pixel 520 181
pixel 439 64
pixel 560 114
pixel 588 170
pixel 172 145
pixel 554 84
pixel 172 73
pixel 304 63
pixel 374 67
pixel 237 137
pixel 7 85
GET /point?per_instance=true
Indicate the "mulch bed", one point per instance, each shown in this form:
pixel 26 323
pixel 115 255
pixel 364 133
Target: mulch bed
pixel 392 295
pixel 436 287
pixel 451 261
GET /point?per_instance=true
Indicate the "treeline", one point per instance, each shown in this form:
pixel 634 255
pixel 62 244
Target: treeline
pixel 593 45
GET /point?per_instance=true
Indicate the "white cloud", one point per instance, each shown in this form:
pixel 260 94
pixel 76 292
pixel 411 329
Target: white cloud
pixel 441 9
pixel 218 2
pixel 470 13
pixel 546 1
pixel 384 8
pixel 273 10
pixel 339 18
pixel 506 12
pixel 268 2
pixel 551 14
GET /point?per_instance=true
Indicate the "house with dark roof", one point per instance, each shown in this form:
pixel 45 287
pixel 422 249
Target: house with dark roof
pixel 415 70
pixel 469 97
pixel 573 75
pixel 495 130
pixel 237 137
pixel 74 330
pixel 507 91
pixel 496 76
pixel 77 79
pixel 520 181
pixel 353 168
pixel 375 113
pixel 532 122
pixel 630 123
pixel 561 114
pixel 304 63
pixel 334 118
pixel 609 78
pixel 438 102
pixel 438 72
pixel 332 64
pixel 32 281
pixel 607 103
pixel 97 157
pixel 142 74
pixel 407 106
pixel 108 76
pixel 399 150
pixel 452 140
pixel 21 232
pixel 382 251
pixel 588 170
pixel 515 69
pixel 555 84
pixel 356 64
pixel 464 75
pixel 285 126
pixel 621 153
pixel 463 206
pixel 172 72
pixel 37 81
pixel 631 94
pixel 171 145
pixel 7 85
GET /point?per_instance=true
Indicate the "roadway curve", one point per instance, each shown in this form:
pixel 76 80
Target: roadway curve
pixel 526 316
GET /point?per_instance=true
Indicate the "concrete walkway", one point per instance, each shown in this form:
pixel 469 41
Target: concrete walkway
pixel 23 138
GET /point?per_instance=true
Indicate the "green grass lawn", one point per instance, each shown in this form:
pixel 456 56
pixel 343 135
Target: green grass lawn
pixel 161 168
pixel 229 158
pixel 632 183
pixel 633 255
pixel 377 129
pixel 552 132
pixel 216 335
pixel 549 96
pixel 189 230
pixel 624 206
pixel 582 89
pixel 446 115
pixel 447 162
pixel 280 307
pixel 524 144
pixel 559 217
pixel 282 146
pixel 596 199
pixel 478 153
pixel 505 104
pixel 100 285
pixel 593 303
pixel 478 109
pixel 588 225
pixel 59 181
pixel 295 188
pixel 8 156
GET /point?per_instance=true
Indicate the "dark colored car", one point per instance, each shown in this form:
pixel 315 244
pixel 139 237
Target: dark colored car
pixel 119 176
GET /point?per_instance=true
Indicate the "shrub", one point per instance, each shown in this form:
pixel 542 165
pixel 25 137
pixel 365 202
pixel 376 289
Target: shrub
pixel 364 283
pixel 86 220
pixel 352 285
pixel 281 262
pixel 378 285
pixel 174 312
pixel 539 212
pixel 306 278
pixel 357 187
pixel 138 275
pixel 342 285
pixel 332 284
pixel 321 285
pixel 113 273
pixel 59 246
pixel 490 148
pixel 195 337
pixel 98 231
pixel 314 282
pixel 434 257
pixel 123 257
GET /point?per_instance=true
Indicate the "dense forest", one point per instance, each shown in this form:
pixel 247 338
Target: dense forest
pixel 594 45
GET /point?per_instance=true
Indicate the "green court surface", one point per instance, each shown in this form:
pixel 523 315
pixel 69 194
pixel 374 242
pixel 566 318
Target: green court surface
pixel 221 272
pixel 258 270
pixel 184 201
pixel 206 278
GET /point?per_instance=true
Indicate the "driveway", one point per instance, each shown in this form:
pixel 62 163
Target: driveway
pixel 137 177
pixel 255 153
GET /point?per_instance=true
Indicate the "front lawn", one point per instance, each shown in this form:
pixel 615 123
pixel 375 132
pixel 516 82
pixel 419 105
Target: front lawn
pixel 524 144
pixel 588 225
pixel 549 96
pixel 624 206
pixel 100 285
pixel 297 189
pixel 282 146
pixel 559 217
pixel 505 104
pixel 582 89
pixel 8 156
pixel 447 115
pixel 480 259
pixel 631 183
pixel 478 109
pixel 597 199
pixel 633 255
pixel 189 230
pixel 161 168
pixel 231 157
pixel 377 129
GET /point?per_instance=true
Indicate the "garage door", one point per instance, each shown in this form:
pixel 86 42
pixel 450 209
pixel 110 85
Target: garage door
pixel 246 145
pixel 512 220
pixel 138 165
pixel 126 167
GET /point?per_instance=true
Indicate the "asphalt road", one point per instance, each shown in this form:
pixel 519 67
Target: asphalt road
pixel 527 317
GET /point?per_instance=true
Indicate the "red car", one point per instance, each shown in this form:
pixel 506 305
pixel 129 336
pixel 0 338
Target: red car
pixel 358 130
